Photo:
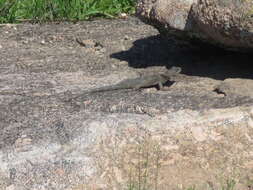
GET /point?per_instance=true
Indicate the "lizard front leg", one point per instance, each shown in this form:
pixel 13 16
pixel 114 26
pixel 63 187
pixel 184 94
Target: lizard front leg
pixel 160 86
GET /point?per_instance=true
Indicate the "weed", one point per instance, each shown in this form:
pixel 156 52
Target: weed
pixel 230 185
pixel 191 188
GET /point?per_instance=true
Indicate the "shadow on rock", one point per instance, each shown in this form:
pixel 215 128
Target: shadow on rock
pixel 205 61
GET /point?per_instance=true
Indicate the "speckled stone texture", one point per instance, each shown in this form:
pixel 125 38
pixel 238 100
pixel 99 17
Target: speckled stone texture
pixel 227 24
pixel 188 135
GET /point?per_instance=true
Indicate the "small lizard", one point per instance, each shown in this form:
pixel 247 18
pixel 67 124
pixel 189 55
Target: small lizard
pixel 141 82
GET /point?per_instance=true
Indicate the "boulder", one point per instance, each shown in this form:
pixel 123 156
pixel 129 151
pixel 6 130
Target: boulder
pixel 170 17
pixel 223 23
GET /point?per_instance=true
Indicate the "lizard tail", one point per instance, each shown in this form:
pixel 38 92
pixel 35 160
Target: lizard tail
pixel 106 88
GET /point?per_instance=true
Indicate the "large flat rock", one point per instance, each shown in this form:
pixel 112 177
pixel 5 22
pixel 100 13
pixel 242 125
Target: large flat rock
pixel 189 135
pixel 114 151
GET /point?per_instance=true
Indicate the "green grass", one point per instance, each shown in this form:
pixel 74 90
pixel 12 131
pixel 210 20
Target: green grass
pixel 12 11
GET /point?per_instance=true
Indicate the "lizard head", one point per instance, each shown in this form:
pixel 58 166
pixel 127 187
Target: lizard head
pixel 172 71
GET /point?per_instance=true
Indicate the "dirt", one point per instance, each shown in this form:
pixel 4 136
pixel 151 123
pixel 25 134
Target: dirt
pixel 42 66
